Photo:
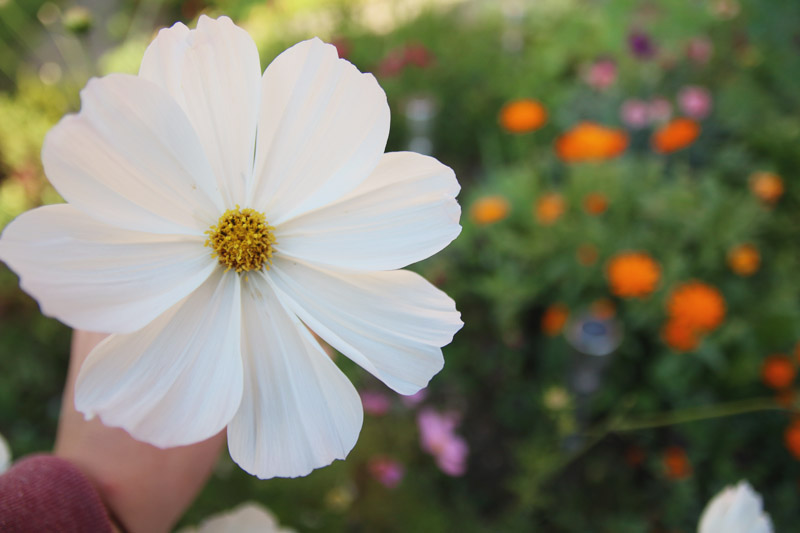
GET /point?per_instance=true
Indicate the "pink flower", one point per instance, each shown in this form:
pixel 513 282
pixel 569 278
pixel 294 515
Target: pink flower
pixel 415 399
pixel 452 456
pixel 418 55
pixel 634 113
pixel 602 74
pixel 398 58
pixel 437 437
pixel 659 110
pixel 695 101
pixel 392 64
pixel 375 403
pixel 343 46
pixel 700 50
pixel 386 471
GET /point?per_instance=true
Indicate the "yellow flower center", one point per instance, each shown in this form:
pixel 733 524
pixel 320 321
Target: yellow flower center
pixel 242 240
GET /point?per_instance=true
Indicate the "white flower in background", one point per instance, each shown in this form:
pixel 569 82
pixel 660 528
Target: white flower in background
pixel 5 455
pixel 216 215
pixel 246 518
pixel 737 509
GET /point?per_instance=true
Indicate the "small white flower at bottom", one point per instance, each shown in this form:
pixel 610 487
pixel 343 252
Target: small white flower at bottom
pixel 737 509
pixel 248 517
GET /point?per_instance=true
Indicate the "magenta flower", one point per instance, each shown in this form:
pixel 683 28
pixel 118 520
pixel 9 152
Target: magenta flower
pixel 437 437
pixel 375 403
pixel 386 471
pixel 641 45
pixel 695 101
pixel 635 113
pixel 602 74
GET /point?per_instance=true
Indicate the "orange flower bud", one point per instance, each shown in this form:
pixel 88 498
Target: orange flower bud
pixel 549 208
pixel 595 203
pixel 490 209
pixel 744 259
pixel 699 305
pixel 554 319
pixel 791 438
pixel 589 141
pixel 632 274
pixel 680 336
pixel 778 371
pixel 767 186
pixel 675 135
pixel 676 463
pixel 522 116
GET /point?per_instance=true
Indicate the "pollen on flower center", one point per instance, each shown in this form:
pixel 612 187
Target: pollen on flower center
pixel 242 240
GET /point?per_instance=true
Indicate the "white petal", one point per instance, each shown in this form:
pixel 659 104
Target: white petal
pixel 391 323
pixel 131 159
pixel 405 211
pixel 248 517
pixel 736 509
pixel 322 129
pixel 97 277
pixel 213 72
pixel 298 412
pixel 5 455
pixel 177 381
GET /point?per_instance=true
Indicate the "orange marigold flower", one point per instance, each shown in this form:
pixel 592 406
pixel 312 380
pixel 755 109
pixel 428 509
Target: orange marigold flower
pixel 792 438
pixel 767 186
pixel 554 319
pixel 589 141
pixel 675 135
pixel 549 208
pixel 595 203
pixel 778 371
pixel 680 336
pixel 522 116
pixel 744 259
pixel 587 254
pixel 490 209
pixel 632 274
pixel 676 463
pixel 699 305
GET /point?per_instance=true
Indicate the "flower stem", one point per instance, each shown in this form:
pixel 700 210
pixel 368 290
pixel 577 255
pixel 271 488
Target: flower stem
pixel 694 414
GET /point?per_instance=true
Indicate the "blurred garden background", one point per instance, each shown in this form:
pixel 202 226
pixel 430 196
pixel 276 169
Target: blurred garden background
pixel 628 273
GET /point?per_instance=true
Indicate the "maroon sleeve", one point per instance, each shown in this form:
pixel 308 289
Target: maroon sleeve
pixel 46 493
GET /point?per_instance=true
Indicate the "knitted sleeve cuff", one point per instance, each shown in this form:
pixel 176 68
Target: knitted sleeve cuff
pixel 47 493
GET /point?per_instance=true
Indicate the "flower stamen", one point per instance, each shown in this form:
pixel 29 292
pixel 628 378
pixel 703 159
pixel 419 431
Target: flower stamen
pixel 242 240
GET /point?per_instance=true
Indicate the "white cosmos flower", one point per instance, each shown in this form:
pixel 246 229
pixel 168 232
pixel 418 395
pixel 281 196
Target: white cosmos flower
pixel 737 509
pixel 290 165
pixel 248 517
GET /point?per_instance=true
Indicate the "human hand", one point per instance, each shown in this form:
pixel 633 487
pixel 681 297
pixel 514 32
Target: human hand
pixel 146 489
